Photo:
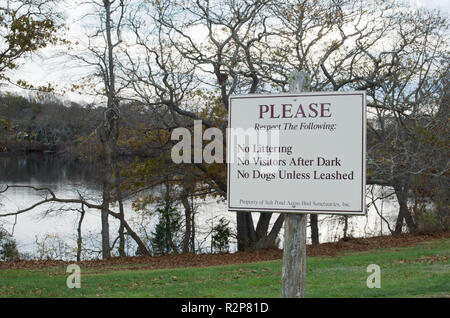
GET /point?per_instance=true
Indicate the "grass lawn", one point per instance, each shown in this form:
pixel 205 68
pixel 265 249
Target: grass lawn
pixel 418 271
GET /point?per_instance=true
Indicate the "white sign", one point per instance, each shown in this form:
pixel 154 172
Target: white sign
pixel 300 153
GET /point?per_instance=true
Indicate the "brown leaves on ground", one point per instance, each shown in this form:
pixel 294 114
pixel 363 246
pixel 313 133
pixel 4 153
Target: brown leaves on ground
pixel 204 260
pixel 431 259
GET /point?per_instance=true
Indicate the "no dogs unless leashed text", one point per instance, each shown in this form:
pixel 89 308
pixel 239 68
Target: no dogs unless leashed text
pixel 306 148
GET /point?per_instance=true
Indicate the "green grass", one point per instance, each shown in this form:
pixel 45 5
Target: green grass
pixel 418 271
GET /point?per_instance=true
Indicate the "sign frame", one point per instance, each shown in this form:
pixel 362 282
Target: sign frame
pixel 288 209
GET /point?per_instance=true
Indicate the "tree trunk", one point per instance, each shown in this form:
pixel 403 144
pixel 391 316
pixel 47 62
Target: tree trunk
pixel 122 215
pixel 80 238
pixel 169 234
pixel 246 235
pixel 345 227
pixel 270 240
pixel 314 229
pixel 188 226
pixel 193 227
pixel 109 131
pixel 401 192
pixel 248 238
pixel 106 252
pixel 401 213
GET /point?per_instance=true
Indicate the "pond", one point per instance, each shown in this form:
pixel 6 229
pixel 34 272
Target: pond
pixel 46 227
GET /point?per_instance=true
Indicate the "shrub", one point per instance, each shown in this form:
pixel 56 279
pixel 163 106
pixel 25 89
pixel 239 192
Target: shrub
pixel 221 234
pixel 8 247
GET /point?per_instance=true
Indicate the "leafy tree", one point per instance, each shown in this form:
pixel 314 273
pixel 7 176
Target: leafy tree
pixel 25 27
pixel 221 233
pixel 166 235
pixel 8 246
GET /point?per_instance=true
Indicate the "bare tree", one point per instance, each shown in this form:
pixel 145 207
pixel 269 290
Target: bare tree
pixel 405 122
pixel 48 196
pixel 195 54
pixel 100 54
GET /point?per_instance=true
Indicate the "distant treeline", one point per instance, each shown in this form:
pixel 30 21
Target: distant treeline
pixel 48 124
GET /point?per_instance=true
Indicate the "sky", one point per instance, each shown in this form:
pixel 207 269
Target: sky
pixel 443 5
pixel 49 66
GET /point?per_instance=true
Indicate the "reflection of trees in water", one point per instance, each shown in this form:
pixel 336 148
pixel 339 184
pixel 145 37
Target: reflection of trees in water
pixel 333 228
pixel 47 169
pixel 73 176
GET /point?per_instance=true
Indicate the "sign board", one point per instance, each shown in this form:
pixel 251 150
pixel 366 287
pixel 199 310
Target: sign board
pixel 300 153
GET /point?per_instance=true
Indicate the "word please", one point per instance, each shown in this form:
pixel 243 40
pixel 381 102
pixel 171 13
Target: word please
pixel 314 110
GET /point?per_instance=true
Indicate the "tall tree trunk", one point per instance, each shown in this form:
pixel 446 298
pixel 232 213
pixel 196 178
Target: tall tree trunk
pixel 193 227
pixel 314 221
pixel 401 192
pixel 170 244
pixel 399 223
pixel 410 223
pixel 109 132
pixel 106 252
pixel 188 225
pixel 122 216
pixel 246 234
pixel 169 234
pixel 345 227
pixel 270 240
pixel 248 238
pixel 80 238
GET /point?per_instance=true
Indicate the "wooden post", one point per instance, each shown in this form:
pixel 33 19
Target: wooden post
pixel 293 278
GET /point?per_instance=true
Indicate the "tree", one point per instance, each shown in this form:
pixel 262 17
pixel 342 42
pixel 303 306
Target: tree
pixel 147 175
pixel 8 246
pixel 196 54
pixel 166 233
pixel 314 221
pixel 180 64
pixel 101 54
pixel 405 133
pixel 49 196
pixel 220 236
pixel 25 27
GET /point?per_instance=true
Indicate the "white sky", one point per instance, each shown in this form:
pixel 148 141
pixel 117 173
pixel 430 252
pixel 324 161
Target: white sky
pixel 45 67
pixel 443 5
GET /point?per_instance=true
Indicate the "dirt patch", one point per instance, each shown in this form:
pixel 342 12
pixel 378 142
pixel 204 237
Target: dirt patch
pixel 204 260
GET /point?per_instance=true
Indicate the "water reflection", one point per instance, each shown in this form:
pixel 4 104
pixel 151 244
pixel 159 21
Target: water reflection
pixel 47 169
pixel 69 177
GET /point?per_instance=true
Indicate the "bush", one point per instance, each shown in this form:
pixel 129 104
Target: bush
pixel 431 221
pixel 221 234
pixel 165 238
pixel 8 247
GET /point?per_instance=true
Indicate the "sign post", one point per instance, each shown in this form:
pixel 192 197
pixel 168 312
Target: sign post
pixel 293 277
pixel 296 154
